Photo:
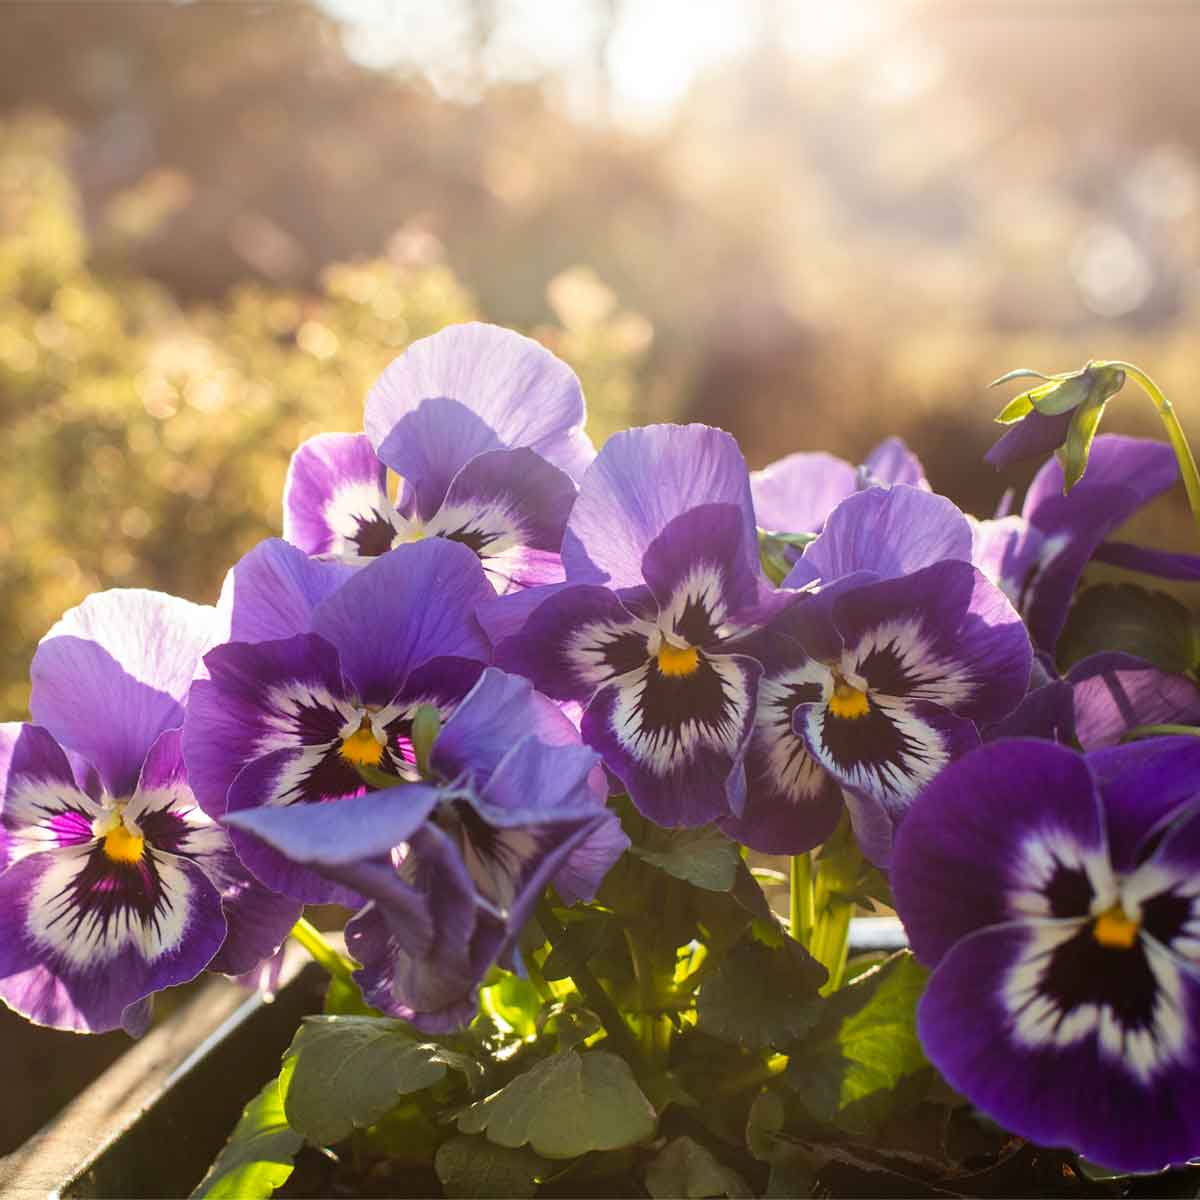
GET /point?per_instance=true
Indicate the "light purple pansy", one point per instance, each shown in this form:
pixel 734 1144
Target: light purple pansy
pixel 1038 557
pixel 114 883
pixel 453 861
pixel 662 576
pixel 484 428
pixel 1057 897
pixel 878 679
pixel 289 720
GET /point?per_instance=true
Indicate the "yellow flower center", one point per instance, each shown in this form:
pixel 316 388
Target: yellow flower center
pixel 362 747
pixel 674 660
pixel 122 846
pixel 847 701
pixel 1113 928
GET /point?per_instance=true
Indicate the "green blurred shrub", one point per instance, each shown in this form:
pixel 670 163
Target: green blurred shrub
pixel 144 445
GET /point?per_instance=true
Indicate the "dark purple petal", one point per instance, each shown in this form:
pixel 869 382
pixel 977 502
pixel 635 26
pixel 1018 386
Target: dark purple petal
pixel 890 531
pixel 797 493
pixel 1047 712
pixel 269 696
pixel 943 634
pixel 415 603
pixel 504 616
pixel 577 639
pixel 586 865
pixel 468 389
pixel 893 462
pixel 641 481
pixel 335 499
pixel 1041 1049
pixel 271 592
pixel 1031 437
pixel 1142 785
pixel 113 673
pixel 677 743
pixel 1012 829
pixel 510 507
pixel 1008 551
pixel 41 807
pixel 83 937
pixel 1149 561
pixel 1115 692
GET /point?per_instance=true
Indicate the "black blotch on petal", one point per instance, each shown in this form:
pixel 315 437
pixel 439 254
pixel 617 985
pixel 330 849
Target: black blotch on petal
pixel 1082 971
pixel 695 624
pixel 373 536
pixel 871 742
pixel 1165 915
pixel 1069 892
pixel 668 702
pixel 884 671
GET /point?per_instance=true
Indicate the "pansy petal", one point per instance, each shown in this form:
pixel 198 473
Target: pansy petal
pixel 83 937
pixel 1149 561
pixel 41 806
pixel 1047 712
pixel 584 868
pixel 678 742
pixel 893 462
pixel 271 592
pixel 335 499
pixel 797 493
pixel 577 639
pixel 510 507
pixel 641 481
pixel 468 389
pixel 1031 437
pixel 887 753
pixel 943 634
pixel 890 531
pixel 113 673
pixel 415 603
pixel 1142 785
pixel 1008 551
pixel 285 694
pixel 1012 829
pixel 1044 1033
pixel 1115 692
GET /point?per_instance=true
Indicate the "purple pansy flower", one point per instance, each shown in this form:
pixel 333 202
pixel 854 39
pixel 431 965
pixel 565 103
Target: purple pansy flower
pixel 1057 897
pixel 662 575
pixel 289 720
pixel 1038 557
pixel 878 680
pixel 453 862
pixel 115 884
pixel 485 429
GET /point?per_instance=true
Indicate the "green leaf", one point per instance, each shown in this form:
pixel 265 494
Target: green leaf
pixel 685 1168
pixel 343 999
pixel 582 940
pixel 565 1106
pixel 257 1158
pixel 513 1000
pixel 703 857
pixel 1080 434
pixel 762 997
pixel 1128 617
pixel 346 1072
pixel 1019 373
pixel 473 1166
pixel 1018 407
pixel 853 1070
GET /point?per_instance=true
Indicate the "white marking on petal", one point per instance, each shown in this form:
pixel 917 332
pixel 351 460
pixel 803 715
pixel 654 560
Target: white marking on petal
pixel 283 714
pixel 1040 856
pixel 490 527
pixel 350 507
pixel 586 648
pixel 703 587
pixel 792 769
pixel 30 808
pixel 907 644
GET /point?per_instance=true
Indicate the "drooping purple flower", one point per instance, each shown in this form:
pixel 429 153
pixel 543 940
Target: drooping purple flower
pixel 114 884
pixel 1038 557
pixel 453 862
pixel 662 574
pixel 875 682
pixel 485 429
pixel 1057 897
pixel 290 720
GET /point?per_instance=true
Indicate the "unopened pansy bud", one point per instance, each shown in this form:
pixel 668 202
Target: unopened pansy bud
pixel 427 724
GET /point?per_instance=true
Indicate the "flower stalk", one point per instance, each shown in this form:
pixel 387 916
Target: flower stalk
pixel 800 908
pixel 322 953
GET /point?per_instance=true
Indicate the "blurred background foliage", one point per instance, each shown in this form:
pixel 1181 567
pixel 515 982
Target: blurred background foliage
pixel 812 224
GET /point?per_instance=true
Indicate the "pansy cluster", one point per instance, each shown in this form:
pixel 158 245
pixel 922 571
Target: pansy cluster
pixel 422 701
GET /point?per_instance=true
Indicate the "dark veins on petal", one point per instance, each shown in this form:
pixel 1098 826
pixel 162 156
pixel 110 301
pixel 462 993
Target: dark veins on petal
pixel 872 741
pixel 374 536
pixel 1082 971
pixel 164 829
pixel 105 889
pixel 1069 892
pixel 474 539
pixel 883 668
pixel 625 652
pixel 1164 916
pixel 668 702
pixel 332 778
pixel 695 624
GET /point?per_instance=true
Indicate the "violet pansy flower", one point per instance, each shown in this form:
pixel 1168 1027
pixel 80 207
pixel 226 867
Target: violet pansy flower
pixel 1057 898
pixel 662 576
pixel 114 883
pixel 290 720
pixel 453 861
pixel 484 428
pixel 873 684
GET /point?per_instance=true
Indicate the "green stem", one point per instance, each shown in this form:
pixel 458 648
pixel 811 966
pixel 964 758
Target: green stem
pixel 831 941
pixel 587 984
pixel 800 909
pixel 1144 731
pixel 309 936
pixel 1179 442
